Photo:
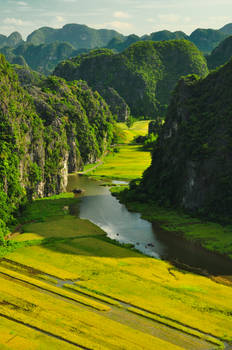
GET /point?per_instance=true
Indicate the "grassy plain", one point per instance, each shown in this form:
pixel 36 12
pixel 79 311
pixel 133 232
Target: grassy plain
pixel 129 163
pixel 139 128
pixel 130 160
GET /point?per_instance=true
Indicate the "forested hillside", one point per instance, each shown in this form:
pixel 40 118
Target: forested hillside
pixel 45 47
pixel 191 164
pixel 43 58
pixel 221 54
pixel 48 128
pixel 78 35
pixel 144 75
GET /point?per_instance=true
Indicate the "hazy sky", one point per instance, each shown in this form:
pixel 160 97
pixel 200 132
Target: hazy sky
pixel 126 16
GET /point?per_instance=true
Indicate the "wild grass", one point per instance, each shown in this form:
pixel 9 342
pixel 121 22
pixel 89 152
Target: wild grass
pixel 44 208
pixel 62 226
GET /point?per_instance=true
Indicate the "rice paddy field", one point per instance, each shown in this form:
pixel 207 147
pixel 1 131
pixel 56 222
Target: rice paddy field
pixel 130 160
pixel 129 163
pixel 64 284
pixel 139 128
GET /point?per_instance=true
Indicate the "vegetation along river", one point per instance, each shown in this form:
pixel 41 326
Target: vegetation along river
pixel 101 208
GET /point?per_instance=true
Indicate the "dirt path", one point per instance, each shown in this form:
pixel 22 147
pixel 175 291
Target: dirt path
pixel 89 170
pixel 100 162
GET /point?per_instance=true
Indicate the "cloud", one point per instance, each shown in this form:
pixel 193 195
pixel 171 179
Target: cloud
pixel 116 25
pixel 14 21
pixel 169 18
pixel 22 3
pixel 219 18
pixel 120 14
pixel 120 25
pixel 60 19
pixel 187 19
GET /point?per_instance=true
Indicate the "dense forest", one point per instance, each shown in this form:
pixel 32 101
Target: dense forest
pixel 48 128
pixel 191 164
pixel 148 70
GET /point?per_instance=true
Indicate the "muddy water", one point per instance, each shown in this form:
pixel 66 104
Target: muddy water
pixel 104 210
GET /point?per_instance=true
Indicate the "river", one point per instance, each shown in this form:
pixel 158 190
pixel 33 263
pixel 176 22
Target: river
pixel 101 208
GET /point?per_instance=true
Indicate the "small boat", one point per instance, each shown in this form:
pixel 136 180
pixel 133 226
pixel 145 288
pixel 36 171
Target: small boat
pixel 77 191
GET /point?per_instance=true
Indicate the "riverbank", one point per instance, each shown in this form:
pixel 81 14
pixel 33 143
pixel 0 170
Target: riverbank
pixel 96 289
pixel 129 163
pixel 212 236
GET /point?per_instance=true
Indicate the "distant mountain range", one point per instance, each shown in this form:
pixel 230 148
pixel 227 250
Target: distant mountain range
pixel 13 40
pixel 46 47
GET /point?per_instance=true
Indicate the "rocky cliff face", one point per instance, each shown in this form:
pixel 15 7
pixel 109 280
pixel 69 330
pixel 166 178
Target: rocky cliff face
pixel 143 75
pixel 191 164
pixel 119 108
pixel 48 128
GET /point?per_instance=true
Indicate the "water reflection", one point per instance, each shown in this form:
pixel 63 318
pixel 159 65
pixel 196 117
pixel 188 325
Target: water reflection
pixel 101 208
pixel 104 210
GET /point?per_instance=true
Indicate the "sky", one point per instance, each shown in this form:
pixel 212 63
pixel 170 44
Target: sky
pixel 126 16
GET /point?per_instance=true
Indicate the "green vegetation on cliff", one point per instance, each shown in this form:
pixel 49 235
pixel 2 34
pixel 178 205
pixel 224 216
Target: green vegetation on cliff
pixel 18 120
pixel 191 164
pixel 221 54
pixel 78 35
pixel 46 46
pixel 167 35
pixel 143 75
pixel 119 44
pixel 13 40
pixel 227 29
pixel 48 127
pixel 207 39
pixel 42 58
